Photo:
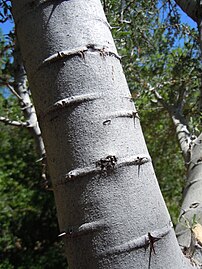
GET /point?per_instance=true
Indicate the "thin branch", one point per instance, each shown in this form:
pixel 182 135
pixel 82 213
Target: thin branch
pixel 183 134
pixel 14 92
pixel 20 87
pixel 159 98
pixel 181 99
pixel 14 123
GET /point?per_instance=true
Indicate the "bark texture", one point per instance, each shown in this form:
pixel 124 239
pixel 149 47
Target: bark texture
pixel 109 205
pixel 191 211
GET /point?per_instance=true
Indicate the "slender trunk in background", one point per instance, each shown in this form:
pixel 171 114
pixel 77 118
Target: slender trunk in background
pixel 109 205
pixel 21 88
pixel 189 229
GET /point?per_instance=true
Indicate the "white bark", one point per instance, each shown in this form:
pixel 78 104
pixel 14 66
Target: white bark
pixel 108 201
pixel 192 198
pixel 21 91
pixel 14 122
pixel 192 202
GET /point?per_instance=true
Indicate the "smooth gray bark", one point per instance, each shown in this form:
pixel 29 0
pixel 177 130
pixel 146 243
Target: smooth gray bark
pixel 108 200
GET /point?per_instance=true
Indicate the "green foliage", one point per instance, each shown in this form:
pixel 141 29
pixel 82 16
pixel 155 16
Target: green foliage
pixel 166 156
pixel 28 234
pixel 28 231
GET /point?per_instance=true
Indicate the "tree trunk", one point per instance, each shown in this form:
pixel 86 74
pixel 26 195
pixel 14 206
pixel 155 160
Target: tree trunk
pixel 189 228
pixel 191 215
pixel 190 7
pixel 21 88
pixel 109 205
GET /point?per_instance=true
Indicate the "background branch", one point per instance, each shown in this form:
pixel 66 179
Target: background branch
pixel 175 112
pixel 20 89
pixel 13 122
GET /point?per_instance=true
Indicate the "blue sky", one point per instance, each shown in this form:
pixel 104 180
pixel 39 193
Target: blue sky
pixel 6 27
pixel 187 19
